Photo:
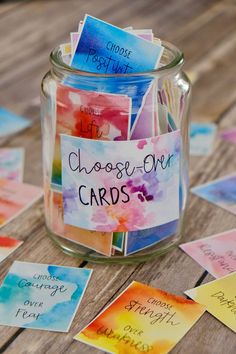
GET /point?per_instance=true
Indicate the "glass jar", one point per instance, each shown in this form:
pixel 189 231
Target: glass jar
pixel 160 100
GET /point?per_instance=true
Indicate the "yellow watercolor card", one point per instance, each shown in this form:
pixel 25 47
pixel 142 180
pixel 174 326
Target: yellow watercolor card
pixel 142 320
pixel 219 297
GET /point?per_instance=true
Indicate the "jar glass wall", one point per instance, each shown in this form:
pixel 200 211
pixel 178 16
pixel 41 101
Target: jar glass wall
pixel 163 98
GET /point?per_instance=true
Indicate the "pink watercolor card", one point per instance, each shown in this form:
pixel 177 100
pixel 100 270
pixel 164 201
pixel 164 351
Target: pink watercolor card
pixel 12 163
pixel 144 126
pixel 74 36
pixel 217 253
pixel 142 319
pixel 7 246
pixel 15 197
pixel 221 192
pixel 229 135
pixel 89 114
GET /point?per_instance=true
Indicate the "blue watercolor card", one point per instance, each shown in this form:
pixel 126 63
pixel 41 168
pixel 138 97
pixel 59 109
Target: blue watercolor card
pixel 221 192
pixel 138 240
pixel 202 136
pixel 106 49
pixel 11 123
pixel 42 296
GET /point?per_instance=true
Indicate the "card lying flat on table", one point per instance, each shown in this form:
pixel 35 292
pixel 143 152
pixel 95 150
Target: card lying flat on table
pixel 142 320
pixel 202 137
pixel 7 246
pixel 42 296
pixel 215 253
pixel 11 123
pixel 219 298
pixel 221 192
pixel 15 197
pixel 12 163
pixel 229 135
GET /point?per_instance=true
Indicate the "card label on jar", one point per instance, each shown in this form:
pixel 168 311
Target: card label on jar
pixel 120 185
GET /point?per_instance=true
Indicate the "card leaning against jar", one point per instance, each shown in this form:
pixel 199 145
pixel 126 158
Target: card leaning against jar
pixel 115 144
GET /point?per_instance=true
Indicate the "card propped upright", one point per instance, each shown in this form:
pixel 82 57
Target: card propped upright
pixel 115 50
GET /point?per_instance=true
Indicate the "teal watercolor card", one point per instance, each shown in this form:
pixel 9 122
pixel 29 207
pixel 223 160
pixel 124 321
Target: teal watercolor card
pixel 202 137
pixel 11 123
pixel 42 296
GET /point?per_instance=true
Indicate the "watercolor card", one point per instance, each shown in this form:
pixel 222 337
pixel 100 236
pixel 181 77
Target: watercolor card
pixel 120 186
pixel 115 51
pixel 7 246
pixel 217 253
pixel 142 319
pixel 138 240
pixel 11 163
pixel 16 197
pixel 229 135
pixel 202 136
pixel 143 126
pixel 221 192
pixel 42 296
pixel 118 240
pixel 11 123
pixel 91 115
pixel 100 242
pixel 219 298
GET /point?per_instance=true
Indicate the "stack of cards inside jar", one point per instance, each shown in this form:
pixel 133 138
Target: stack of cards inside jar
pixel 101 197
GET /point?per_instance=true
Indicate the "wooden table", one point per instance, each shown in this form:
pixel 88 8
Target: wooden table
pixel 206 31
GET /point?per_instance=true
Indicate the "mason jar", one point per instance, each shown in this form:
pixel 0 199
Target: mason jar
pixel 115 159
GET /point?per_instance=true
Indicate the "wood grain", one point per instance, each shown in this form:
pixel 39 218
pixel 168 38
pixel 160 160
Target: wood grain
pixel 206 31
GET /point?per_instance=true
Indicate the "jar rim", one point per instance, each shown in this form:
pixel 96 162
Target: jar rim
pixel 175 64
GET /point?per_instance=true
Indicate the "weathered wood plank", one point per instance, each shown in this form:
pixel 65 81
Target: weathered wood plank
pixel 6 7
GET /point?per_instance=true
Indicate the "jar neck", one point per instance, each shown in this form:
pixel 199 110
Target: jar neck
pixel 171 62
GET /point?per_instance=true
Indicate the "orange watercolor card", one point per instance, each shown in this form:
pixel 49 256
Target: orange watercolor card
pixel 7 246
pixel 219 297
pixel 142 320
pixel 100 242
pixel 15 197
